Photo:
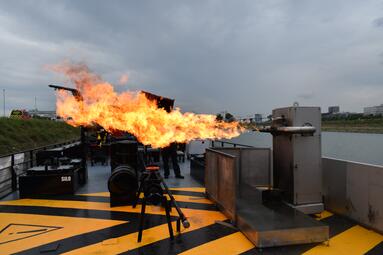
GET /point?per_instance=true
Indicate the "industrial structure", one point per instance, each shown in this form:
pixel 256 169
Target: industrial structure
pixel 257 118
pixel 373 110
pixel 333 109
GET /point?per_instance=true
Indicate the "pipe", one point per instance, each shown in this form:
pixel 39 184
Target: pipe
pixel 288 130
pixel 74 92
pixel 296 130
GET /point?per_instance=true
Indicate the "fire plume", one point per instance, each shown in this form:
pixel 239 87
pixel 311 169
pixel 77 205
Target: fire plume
pixel 132 112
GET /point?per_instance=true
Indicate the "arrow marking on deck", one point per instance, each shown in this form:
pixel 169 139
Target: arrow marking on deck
pixel 14 232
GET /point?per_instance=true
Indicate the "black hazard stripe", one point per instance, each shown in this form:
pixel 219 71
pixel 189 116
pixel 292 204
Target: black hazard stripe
pixel 184 241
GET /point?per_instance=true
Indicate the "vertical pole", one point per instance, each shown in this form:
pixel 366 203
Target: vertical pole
pixel 4 102
pixel 13 173
pixel 31 157
pixel 84 154
pixel 271 169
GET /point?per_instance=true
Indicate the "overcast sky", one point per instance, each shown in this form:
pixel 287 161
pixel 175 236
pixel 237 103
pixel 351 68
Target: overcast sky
pixel 241 56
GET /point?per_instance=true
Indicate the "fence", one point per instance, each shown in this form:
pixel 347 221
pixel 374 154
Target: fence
pixel 351 189
pixel 15 164
pixel 228 171
pixel 354 190
pixel 225 144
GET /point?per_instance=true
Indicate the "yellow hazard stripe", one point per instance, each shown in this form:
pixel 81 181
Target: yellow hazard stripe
pixel 178 198
pixel 198 219
pixel 323 215
pixel 97 194
pixel 56 228
pixel 150 209
pixel 356 240
pixel 85 205
pixel 194 189
pixel 229 245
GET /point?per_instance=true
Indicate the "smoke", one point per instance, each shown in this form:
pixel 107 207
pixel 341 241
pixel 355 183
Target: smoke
pixel 123 79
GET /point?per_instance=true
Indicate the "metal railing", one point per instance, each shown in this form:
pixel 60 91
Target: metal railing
pixel 15 164
pixel 354 189
pixel 229 170
pixel 222 144
pixel 220 180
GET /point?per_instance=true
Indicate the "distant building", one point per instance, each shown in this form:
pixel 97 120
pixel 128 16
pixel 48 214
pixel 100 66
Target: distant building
pixel 373 110
pixel 257 118
pixel 333 109
pixel 244 120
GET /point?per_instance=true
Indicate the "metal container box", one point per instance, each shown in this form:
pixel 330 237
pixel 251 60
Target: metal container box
pixel 297 159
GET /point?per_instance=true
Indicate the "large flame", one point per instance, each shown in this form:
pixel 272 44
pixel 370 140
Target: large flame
pixel 132 112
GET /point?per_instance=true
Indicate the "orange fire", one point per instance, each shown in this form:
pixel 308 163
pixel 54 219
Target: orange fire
pixel 132 112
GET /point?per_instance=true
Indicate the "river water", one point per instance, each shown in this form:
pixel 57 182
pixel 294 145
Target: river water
pixel 360 147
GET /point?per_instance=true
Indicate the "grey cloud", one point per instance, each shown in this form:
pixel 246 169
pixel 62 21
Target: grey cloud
pixel 243 57
pixel 378 22
pixel 380 56
pixel 306 96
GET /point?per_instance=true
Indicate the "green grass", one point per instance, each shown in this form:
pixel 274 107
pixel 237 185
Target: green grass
pixel 17 135
pixel 357 125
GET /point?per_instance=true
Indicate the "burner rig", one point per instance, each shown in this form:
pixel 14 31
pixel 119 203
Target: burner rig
pixel 297 154
pixel 268 193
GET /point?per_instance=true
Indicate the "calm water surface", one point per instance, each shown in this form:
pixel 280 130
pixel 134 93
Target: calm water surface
pixel 360 147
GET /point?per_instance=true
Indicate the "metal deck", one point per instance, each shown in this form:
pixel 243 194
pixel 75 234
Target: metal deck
pixel 85 224
pixel 278 224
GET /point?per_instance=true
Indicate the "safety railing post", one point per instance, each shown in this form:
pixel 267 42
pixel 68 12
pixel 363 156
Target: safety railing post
pixel 13 173
pixel 31 157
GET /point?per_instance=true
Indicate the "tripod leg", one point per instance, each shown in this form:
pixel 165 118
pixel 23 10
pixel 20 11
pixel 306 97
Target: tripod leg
pixel 139 192
pixel 179 225
pixel 168 218
pixel 142 218
pixel 137 196
pixel 170 204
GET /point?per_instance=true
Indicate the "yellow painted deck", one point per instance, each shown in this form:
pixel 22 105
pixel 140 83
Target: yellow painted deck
pixel 85 224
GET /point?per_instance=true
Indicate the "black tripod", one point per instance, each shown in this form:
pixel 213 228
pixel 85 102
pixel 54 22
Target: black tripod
pixel 154 193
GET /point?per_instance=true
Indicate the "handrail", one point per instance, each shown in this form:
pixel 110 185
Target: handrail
pixel 221 153
pixel 231 143
pixel 4 190
pixel 41 148
pixel 353 162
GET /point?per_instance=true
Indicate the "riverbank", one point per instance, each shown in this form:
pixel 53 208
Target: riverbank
pixel 17 135
pixel 356 126
pixel 372 126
